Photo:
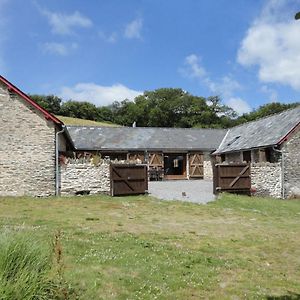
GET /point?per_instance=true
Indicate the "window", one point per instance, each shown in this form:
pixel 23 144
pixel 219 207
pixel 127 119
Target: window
pixel 247 156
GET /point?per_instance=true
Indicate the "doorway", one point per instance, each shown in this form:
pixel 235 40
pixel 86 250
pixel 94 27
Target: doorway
pixel 175 165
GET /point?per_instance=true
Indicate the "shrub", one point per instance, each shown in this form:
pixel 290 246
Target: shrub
pixel 28 269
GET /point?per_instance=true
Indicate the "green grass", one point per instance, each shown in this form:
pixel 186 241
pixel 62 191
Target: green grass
pixel 28 268
pixel 142 248
pixel 83 122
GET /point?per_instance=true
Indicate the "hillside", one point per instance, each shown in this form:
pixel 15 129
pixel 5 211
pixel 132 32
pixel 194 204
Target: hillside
pixel 82 122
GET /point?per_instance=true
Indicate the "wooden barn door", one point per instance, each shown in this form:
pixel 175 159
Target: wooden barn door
pixel 156 166
pixel 196 165
pixel 232 178
pixel 128 179
pixel 156 160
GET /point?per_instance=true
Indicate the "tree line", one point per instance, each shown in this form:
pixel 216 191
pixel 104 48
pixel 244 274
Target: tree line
pixel 166 107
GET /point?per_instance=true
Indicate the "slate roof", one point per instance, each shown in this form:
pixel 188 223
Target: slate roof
pixel 268 131
pixel 144 138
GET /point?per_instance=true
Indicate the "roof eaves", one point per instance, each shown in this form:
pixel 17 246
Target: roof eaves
pixel 170 150
pixel 245 149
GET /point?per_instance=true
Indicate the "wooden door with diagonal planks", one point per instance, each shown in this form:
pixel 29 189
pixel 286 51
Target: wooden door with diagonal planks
pixel 235 178
pixel 196 165
pixel 128 179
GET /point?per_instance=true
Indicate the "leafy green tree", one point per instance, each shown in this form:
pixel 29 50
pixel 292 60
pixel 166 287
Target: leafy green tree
pixel 161 108
pixel 82 110
pixel 265 110
pixel 104 113
pixel 51 103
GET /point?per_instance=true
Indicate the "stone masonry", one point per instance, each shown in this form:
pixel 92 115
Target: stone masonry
pixel 78 176
pixel 27 149
pixel 207 170
pixel 266 179
pixel 291 162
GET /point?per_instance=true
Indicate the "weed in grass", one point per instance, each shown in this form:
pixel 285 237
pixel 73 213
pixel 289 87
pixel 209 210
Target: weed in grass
pixel 92 219
pixel 27 271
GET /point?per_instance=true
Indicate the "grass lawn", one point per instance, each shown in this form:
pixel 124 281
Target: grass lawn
pixel 143 248
pixel 83 122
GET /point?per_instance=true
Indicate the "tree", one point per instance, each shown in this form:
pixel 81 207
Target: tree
pixel 265 110
pixel 165 107
pixel 104 113
pixel 82 110
pixel 51 103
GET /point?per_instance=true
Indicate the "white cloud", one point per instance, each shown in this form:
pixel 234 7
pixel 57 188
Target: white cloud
pixel 98 94
pixel 110 38
pixel 133 29
pixel 225 86
pixel 58 48
pixel 193 67
pixel 64 24
pixel 273 95
pixel 239 105
pixel 272 44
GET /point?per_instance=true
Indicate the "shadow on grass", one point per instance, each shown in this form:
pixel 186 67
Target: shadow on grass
pixel 290 296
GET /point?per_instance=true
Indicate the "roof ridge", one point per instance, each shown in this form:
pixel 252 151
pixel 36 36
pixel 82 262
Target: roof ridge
pixel 266 117
pixel 144 127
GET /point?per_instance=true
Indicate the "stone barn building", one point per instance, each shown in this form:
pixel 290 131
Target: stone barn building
pixel 29 143
pixel 181 153
pixel 39 156
pixel 169 153
pixel 272 146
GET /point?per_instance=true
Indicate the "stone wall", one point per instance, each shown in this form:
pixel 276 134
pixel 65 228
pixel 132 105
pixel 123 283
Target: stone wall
pixel 27 148
pixel 207 167
pixel 291 161
pixel 79 175
pixel 266 179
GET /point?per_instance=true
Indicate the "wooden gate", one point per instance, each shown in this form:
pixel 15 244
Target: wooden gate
pixel 232 178
pixel 196 165
pixel 128 179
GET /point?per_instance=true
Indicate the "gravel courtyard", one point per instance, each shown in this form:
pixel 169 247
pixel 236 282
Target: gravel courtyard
pixel 197 191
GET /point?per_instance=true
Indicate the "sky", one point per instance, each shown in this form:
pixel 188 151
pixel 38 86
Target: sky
pixel 245 51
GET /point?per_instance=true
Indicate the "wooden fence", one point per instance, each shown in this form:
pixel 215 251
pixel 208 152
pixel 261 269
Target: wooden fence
pixel 128 179
pixel 232 178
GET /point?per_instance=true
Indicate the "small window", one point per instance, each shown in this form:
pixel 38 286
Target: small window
pixel 247 156
pixel 271 155
pixel 223 157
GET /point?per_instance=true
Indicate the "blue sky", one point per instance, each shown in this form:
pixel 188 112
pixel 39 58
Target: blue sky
pixel 248 52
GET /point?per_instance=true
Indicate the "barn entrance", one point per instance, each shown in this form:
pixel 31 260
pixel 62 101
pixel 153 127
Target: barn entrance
pixel 175 165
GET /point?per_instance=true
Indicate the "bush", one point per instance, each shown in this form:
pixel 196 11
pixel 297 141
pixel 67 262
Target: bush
pixel 28 269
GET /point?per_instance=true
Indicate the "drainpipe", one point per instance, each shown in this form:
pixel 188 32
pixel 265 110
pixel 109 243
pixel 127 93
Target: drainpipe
pixel 282 171
pixel 56 160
